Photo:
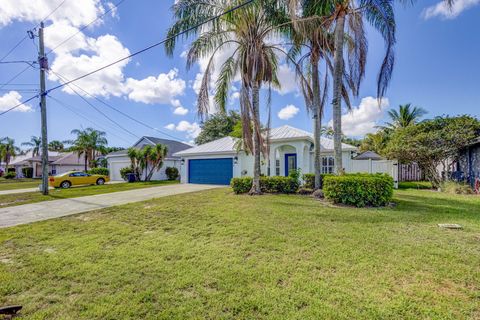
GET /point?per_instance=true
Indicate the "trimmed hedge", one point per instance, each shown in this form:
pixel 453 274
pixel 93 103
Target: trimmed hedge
pixel 359 190
pixel 172 173
pixel 309 180
pixel 10 175
pixel 99 170
pixel 274 184
pixel 124 171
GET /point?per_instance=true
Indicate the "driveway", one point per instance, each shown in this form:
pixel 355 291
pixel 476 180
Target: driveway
pixel 12 216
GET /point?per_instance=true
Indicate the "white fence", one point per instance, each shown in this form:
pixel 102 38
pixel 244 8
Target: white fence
pixel 389 167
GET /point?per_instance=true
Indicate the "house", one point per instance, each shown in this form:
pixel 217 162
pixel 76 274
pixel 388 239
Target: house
pixel 468 164
pixel 218 161
pixel 119 159
pixel 57 163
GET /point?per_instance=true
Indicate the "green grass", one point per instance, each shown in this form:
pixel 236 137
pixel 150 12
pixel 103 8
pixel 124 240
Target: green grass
pixel 16 199
pixel 10 184
pixel 215 255
pixel 415 185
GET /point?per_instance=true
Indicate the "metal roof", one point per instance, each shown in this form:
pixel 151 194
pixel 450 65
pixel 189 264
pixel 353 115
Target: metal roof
pixel 284 133
pixel 172 145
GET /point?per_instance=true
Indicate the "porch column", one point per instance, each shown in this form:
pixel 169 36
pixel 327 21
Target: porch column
pixel 271 160
pixel 299 150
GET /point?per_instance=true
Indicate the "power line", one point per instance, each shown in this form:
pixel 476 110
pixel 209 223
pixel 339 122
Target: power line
pixel 15 76
pixel 18 105
pixel 147 48
pixel 117 110
pixel 71 109
pixel 86 26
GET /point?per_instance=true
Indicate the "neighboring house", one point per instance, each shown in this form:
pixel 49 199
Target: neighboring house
pixel 468 165
pixel 119 159
pixel 218 161
pixel 57 163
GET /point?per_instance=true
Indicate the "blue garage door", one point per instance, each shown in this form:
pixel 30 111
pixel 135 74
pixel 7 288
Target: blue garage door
pixel 210 171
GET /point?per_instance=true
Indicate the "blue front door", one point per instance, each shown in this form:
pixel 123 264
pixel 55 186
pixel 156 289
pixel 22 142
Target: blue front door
pixel 210 171
pixel 290 162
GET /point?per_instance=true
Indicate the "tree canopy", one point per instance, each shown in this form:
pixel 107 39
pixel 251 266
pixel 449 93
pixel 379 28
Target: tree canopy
pixel 218 126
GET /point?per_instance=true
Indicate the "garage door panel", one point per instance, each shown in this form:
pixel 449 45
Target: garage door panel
pixel 210 171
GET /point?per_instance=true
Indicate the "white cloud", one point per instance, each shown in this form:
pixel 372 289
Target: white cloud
pixel 287 79
pixel 161 89
pixel 170 126
pixel 442 10
pixel 288 112
pixel 192 129
pixel 363 119
pixel 11 99
pixel 181 111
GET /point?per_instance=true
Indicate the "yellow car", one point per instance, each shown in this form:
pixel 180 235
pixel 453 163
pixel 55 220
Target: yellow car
pixel 76 178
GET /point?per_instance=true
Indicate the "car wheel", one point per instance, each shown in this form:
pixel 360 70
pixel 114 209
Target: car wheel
pixel 100 181
pixel 65 184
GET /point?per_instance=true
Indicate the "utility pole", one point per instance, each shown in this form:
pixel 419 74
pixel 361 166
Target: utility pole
pixel 43 63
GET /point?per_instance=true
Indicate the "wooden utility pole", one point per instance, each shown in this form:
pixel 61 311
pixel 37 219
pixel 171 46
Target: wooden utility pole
pixel 43 63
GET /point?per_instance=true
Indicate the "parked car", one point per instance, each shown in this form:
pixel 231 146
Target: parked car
pixel 76 178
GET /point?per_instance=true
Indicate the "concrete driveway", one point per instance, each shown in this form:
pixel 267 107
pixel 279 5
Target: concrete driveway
pixel 12 216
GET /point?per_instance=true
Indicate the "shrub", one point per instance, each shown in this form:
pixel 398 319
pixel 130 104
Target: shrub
pixel 125 171
pixel 318 194
pixel 99 170
pixel 359 189
pixel 172 173
pixel 10 175
pixel 309 180
pixel 305 191
pixel 27 172
pixel 456 188
pixel 275 184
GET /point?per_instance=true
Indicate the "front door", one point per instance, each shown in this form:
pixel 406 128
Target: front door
pixel 290 162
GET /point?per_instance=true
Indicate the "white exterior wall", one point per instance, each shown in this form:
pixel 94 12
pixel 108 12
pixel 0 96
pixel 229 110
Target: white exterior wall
pixel 117 163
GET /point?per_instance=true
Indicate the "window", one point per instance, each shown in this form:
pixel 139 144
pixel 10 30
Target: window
pixel 328 164
pixel 277 167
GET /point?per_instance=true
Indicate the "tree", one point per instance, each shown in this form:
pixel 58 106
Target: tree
pixel 152 159
pixel 404 117
pixel 433 142
pixel 56 145
pixel 245 32
pixel 377 142
pixel 217 126
pixel 8 150
pixel 134 155
pixel 35 144
pixel 89 142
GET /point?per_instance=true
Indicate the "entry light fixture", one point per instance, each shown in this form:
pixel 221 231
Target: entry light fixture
pixel 182 162
pixel 235 160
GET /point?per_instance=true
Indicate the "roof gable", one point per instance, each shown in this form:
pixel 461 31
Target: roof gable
pixel 172 145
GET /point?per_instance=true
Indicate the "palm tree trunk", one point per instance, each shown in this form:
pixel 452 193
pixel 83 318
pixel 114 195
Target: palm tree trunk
pixel 86 159
pixel 337 91
pixel 256 139
pixel 317 121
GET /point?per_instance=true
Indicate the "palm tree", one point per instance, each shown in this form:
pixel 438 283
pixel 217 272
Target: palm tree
pixel 246 31
pixel 152 159
pixel 135 157
pixel 8 150
pixel 90 143
pixel 404 117
pixel 35 144
pixel 56 145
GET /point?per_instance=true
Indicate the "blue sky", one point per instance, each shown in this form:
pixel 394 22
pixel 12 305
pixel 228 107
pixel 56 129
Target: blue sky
pixel 437 66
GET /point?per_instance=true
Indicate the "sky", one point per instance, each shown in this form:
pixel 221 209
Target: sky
pixel 437 67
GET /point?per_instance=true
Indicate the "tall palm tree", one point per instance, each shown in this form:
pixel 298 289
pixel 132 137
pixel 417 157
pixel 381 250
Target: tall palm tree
pixel 90 143
pixel 152 159
pixel 56 145
pixel 404 117
pixel 245 31
pixel 8 150
pixel 35 144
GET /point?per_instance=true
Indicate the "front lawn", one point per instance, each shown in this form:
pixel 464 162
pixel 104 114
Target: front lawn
pixel 10 184
pixel 16 199
pixel 215 255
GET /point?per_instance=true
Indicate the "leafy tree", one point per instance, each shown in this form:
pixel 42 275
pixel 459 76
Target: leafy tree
pixel 56 145
pixel 8 150
pixel 433 142
pixel 152 158
pixel 377 142
pixel 35 144
pixel 134 155
pixel 89 142
pixel 247 31
pixel 217 126
pixel 404 117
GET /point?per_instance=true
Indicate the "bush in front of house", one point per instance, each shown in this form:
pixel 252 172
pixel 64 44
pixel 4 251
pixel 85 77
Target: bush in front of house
pixel 359 190
pixel 10 175
pixel 275 184
pixel 27 172
pixel 453 187
pixel 99 170
pixel 125 171
pixel 172 173
pixel 309 180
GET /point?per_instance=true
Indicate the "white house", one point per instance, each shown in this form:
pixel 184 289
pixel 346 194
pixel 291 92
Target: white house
pixel 218 161
pixel 119 159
